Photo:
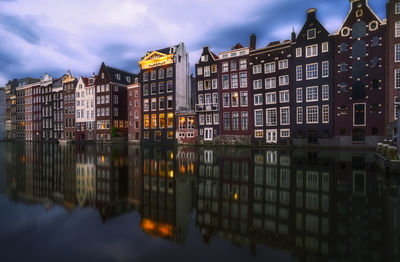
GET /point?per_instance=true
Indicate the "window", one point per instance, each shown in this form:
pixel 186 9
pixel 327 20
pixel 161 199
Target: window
pixel 258 133
pixel 397 29
pixel 359 30
pixel 170 120
pixel 161 103
pixel 225 97
pixel 325 114
pixel 214 84
pixel 146 105
pixel 375 41
pixel 145 90
pixel 311 50
pixel 207 85
pixel 285 116
pixel 256 69
pixel 215 98
pixel 169 102
pixel 359 114
pixel 225 67
pixel 161 87
pixel 208 99
pixel 299 52
pixel 312 93
pixel 227 121
pixel 299 73
pixel 243 80
pixel 153 104
pixel 235 99
pixel 235 121
pixel 312 71
pixel 271 117
pixel 201 119
pixel 284 96
pixel 325 69
pixel 343 67
pixel 245 120
pixel 312 114
pixel 299 115
pixel 269 67
pixel 258 99
pixel 233 65
pixel 153 75
pixel 161 73
pixel 258 117
pixel 199 71
pixel 397 78
pixel 285 133
pixel 216 118
pixel 153 89
pixel 169 72
pixel 214 69
pixel 243 64
pixel 283 80
pixel 225 82
pixel 153 121
pixel 146 121
pixel 397 8
pixel 145 76
pixel 169 86
pixel 325 92
pixel 311 33
pixel 207 71
pixel 234 81
pixel 270 83
pixel 244 99
pixel 397 53
pixel 270 98
pixel 283 64
pixel 299 95
pixel 201 99
pixel 325 47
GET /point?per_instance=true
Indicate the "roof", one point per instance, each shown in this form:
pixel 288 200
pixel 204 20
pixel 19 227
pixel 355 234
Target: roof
pixel 85 80
pixel 167 50
pixel 113 72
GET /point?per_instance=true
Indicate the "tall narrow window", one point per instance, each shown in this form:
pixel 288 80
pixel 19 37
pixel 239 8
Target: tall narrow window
pixel 325 69
pixel 299 73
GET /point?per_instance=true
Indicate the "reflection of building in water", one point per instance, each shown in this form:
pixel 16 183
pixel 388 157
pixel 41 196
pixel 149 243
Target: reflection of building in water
pixel 111 180
pixel 166 203
pixel 69 176
pixel 134 176
pixel 317 205
pixel 85 176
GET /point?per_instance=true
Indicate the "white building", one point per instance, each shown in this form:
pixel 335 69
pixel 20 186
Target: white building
pixel 85 108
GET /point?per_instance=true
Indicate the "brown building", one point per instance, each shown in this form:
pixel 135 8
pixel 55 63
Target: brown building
pixel 134 112
pixel 36 113
pixel 360 77
pixel 69 84
pixel 28 112
pixel 392 63
pixel 111 103
pixel 235 106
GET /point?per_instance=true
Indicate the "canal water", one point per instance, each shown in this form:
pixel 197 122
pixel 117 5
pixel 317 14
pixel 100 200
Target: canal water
pixel 130 203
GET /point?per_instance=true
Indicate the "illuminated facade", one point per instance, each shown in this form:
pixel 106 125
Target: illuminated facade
pixel 69 85
pixel 186 127
pixel 165 82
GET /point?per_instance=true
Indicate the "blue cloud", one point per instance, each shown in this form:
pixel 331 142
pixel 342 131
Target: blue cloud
pixel 26 27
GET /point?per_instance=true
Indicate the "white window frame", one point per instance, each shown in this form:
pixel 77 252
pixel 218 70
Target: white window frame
pixel 299 52
pixel 311 48
pixel 311 100
pixel 207 71
pixel 324 107
pixel 200 85
pixel 315 33
pixel 298 110
pixel 365 113
pixel 283 64
pixel 325 92
pixel 257 86
pixel 199 71
pixel 281 118
pixel 397 51
pixel 397 29
pixel 258 103
pixel 258 131
pixel 255 118
pixel 325 47
pixel 280 96
pixel 266 98
pixel 284 130
pixel 271 80
pixel 299 73
pixel 274 138
pixel 299 97
pixel 225 67
pixel 257 69
pixel 271 68
pixel 266 116
pixel 307 120
pixel 397 8
pixel 325 63
pixel 281 80
pixel 308 71
pixel 397 78
pixel 214 83
pixel 223 100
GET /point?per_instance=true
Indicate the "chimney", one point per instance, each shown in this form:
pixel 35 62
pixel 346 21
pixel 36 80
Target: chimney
pixel 253 40
pixel 353 2
pixel 311 13
pixel 293 35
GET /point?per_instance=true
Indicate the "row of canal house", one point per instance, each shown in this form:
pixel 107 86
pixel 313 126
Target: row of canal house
pixel 316 87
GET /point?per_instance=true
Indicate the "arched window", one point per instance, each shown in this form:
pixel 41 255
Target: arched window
pixel 375 41
pixel 359 49
pixel 358 69
pixel 359 30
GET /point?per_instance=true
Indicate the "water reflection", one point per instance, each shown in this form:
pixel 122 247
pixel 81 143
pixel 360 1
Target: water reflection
pixel 317 205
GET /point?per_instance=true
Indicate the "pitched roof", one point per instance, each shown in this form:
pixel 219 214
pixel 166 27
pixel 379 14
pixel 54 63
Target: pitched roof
pixel 114 72
pixel 167 50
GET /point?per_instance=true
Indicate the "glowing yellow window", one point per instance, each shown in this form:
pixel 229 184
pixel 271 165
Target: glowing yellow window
pixel 170 120
pixel 162 120
pixel 146 121
pixel 153 121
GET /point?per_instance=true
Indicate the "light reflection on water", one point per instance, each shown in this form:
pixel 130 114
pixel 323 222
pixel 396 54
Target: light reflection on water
pixel 117 202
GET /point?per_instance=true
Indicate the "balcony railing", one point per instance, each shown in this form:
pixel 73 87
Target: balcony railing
pixel 207 107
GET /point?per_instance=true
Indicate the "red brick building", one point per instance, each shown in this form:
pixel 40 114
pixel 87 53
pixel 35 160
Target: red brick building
pixel 186 127
pixel 134 112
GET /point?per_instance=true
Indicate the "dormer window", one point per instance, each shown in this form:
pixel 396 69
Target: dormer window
pixel 136 80
pixel 204 58
pixel 118 76
pixel 91 81
pixel 102 75
pixel 128 79
pixel 311 33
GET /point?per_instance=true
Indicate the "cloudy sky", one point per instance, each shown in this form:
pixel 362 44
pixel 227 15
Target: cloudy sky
pixel 38 36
